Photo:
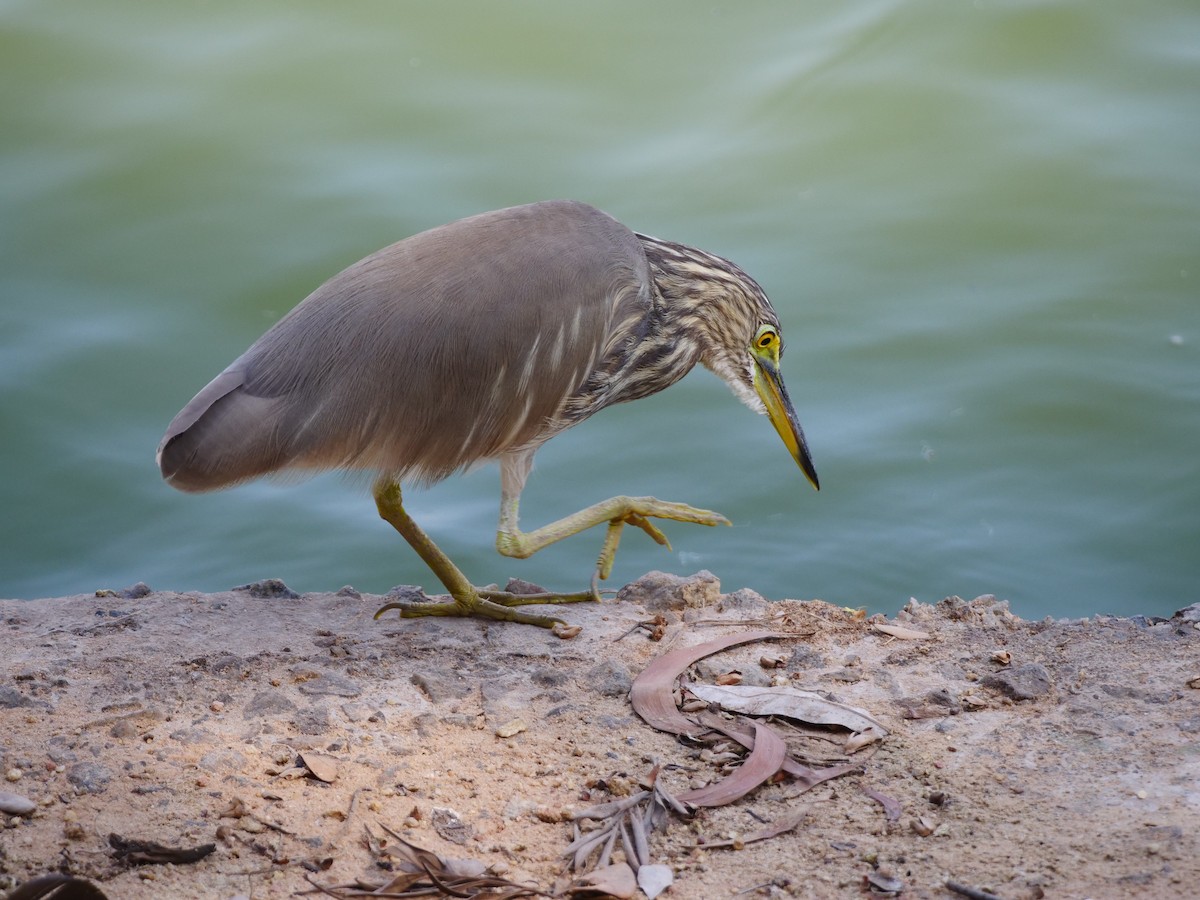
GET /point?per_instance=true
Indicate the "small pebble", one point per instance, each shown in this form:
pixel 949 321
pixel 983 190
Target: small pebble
pixel 509 729
pixel 74 831
pixel 15 804
pixel 13 774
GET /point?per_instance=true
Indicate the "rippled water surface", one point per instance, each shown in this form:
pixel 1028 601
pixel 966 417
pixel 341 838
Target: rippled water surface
pixel 980 224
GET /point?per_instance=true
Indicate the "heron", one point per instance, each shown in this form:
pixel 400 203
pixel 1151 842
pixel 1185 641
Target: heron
pixel 476 341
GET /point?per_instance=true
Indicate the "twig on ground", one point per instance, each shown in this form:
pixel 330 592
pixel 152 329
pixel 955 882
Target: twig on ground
pixel 970 892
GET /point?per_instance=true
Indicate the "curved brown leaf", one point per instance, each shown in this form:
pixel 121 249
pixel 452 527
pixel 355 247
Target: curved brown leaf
pixel 891 807
pixel 57 887
pixel 763 762
pixel 807 776
pixel 652 691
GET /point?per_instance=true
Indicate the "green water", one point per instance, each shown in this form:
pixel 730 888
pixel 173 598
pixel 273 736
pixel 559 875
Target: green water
pixel 980 224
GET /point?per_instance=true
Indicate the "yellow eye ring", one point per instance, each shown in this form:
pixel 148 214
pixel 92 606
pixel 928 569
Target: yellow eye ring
pixel 766 337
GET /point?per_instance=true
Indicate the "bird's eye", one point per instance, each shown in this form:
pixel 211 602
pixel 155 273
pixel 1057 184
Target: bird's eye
pixel 766 337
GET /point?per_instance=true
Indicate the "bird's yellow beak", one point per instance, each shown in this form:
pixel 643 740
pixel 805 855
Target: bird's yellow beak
pixel 768 383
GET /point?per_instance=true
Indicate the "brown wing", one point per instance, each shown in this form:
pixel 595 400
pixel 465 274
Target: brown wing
pixel 449 347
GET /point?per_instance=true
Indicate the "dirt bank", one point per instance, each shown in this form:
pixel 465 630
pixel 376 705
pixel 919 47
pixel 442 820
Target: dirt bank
pixel 1026 759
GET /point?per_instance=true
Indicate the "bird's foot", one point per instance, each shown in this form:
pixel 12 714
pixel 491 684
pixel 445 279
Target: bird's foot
pixel 489 603
pixel 638 511
pixel 643 508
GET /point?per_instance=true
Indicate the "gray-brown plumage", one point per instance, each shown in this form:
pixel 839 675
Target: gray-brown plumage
pixel 481 340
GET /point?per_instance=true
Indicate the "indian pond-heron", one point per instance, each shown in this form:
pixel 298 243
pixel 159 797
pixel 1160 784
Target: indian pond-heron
pixel 481 340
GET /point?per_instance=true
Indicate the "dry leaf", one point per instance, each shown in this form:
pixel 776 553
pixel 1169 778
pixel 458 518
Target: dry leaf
pixel 55 885
pixel 654 879
pixel 323 768
pixel 904 634
pixel 794 704
pixel 142 853
pixel 610 881
pixel 883 882
pixel 861 739
pixel 652 692
pixel 425 874
pixel 769 832
pixel 891 807
pixel 763 762
pixel 449 824
pixel 803 777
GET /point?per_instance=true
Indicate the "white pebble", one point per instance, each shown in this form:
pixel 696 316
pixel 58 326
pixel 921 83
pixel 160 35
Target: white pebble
pixel 15 804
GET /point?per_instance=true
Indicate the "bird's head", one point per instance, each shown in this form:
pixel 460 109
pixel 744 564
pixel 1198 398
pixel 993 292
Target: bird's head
pixel 728 316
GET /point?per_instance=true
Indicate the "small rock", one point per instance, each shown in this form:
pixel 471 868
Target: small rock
pixel 748 602
pixel 518 806
pixel 313 720
pixel 74 831
pixel 11 698
pixel 222 761
pixel 268 589
pixel 441 686
pixel 523 588
pixel 1026 682
pixel 250 825
pixel 846 676
pixel 661 591
pixel 510 729
pixel 123 730
pixel 268 703
pixel 548 677
pixel 406 593
pixel 192 736
pixel 357 712
pixel 15 804
pixel 610 678
pixel 804 657
pixel 331 683
pixel 90 777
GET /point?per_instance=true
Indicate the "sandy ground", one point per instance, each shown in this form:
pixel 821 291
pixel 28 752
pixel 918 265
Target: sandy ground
pixel 1026 759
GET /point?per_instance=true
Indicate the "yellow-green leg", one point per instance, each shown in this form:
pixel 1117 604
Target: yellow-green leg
pixel 616 512
pixel 466 599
